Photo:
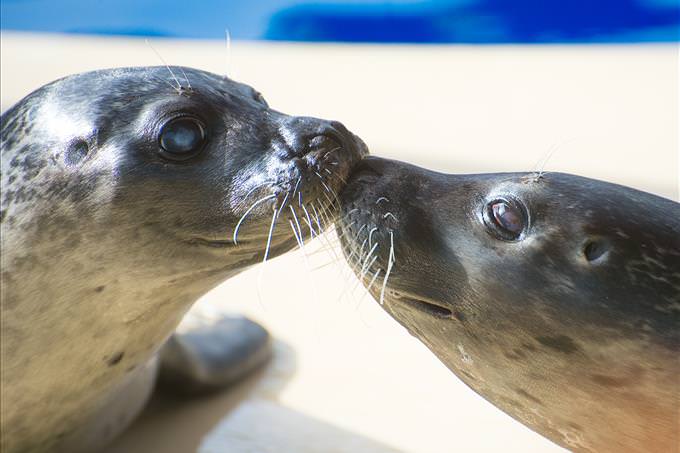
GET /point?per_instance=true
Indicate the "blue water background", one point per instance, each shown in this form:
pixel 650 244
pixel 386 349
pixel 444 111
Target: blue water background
pixel 405 21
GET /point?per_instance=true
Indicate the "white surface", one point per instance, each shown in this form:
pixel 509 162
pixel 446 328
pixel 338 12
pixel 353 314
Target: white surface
pixel 346 377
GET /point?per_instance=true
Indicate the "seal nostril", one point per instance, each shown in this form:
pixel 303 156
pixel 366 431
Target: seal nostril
pixel 593 250
pixel 316 142
pixel 321 144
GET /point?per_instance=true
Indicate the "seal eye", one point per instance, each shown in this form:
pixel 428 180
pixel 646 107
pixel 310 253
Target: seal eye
pixel 505 218
pixel 182 138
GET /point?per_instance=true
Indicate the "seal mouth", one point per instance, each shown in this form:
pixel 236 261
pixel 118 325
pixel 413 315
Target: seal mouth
pixel 429 308
pixel 213 243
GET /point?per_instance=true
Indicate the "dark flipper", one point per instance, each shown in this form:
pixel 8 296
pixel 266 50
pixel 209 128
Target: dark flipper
pixel 210 358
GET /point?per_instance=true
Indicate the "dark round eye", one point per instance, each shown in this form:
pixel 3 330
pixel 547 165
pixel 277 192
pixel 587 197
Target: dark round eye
pixel 182 138
pixel 507 219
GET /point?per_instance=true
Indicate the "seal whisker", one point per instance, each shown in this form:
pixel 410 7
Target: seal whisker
pixel 363 244
pixel 298 237
pixel 330 201
pixel 356 237
pixel 367 266
pixel 297 223
pixel 355 263
pixel 316 216
pixel 381 199
pixel 269 236
pixel 338 177
pixel 320 213
pixel 328 189
pixel 179 85
pixel 243 217
pixel 174 88
pixel 368 288
pixel 393 256
pixel 354 250
pixel 295 233
pixel 308 219
pixel 337 148
pixel 325 216
pixel 369 254
pixel 353 268
pixel 325 237
pixel 362 270
pixel 370 235
pixel 375 276
pixel 283 204
pixel 389 214
pixel 227 37
pixel 297 184
pixel 186 78
pixel 333 192
pixel 390 262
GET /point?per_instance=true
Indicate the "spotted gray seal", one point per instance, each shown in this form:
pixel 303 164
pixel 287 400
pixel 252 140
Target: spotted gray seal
pixel 556 297
pixel 126 195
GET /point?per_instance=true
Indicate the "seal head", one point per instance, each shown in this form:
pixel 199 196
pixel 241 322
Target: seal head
pixel 556 297
pixel 126 195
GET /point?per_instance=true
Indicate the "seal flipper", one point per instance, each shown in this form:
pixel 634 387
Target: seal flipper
pixel 209 358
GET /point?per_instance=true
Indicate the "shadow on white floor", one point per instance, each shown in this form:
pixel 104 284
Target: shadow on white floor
pixel 245 418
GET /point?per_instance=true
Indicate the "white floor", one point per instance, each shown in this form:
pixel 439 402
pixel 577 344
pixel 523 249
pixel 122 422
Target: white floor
pixel 346 378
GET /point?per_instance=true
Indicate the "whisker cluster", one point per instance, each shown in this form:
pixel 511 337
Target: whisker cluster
pixel 362 249
pixel 307 218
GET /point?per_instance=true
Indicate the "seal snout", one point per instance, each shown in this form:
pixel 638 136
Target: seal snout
pixel 299 198
pixel 305 135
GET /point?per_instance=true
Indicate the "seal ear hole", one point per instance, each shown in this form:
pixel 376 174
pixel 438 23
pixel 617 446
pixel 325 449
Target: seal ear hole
pixel 76 152
pixel 595 249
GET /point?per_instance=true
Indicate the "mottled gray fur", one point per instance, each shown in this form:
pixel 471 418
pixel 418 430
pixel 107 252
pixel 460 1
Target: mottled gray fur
pixel 106 244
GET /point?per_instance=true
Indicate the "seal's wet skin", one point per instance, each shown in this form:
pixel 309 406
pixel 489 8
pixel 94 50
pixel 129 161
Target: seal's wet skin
pixel 126 195
pixel 556 297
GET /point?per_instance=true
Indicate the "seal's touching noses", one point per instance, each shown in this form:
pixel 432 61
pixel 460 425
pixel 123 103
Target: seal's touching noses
pixel 556 297
pixel 126 195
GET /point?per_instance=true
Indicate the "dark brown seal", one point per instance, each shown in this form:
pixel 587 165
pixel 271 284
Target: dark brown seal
pixel 556 297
